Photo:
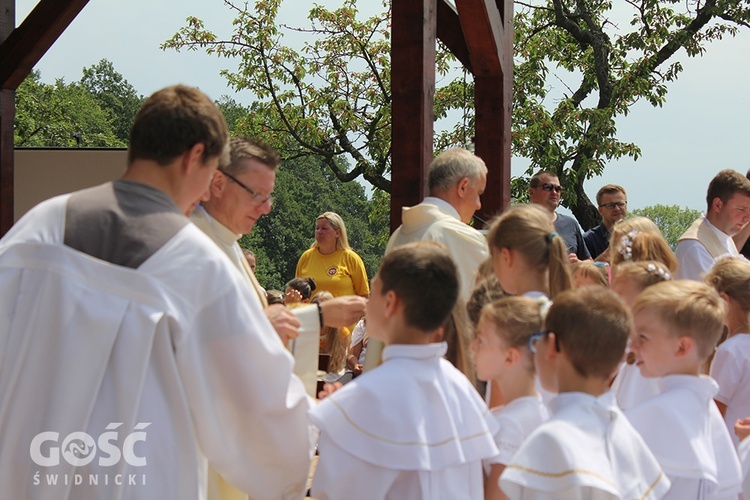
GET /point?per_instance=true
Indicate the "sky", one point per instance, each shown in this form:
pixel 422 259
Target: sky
pixel 702 128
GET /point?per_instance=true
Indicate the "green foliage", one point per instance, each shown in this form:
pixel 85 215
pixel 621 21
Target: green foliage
pixel 597 69
pixel 305 189
pixel 115 95
pixel 54 115
pixel 576 71
pixel 672 220
pixel 233 113
pixel 330 99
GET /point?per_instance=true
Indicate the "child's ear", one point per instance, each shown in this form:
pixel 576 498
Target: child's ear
pixel 507 256
pixel 685 346
pixel 551 350
pixel 391 303
pixel 512 356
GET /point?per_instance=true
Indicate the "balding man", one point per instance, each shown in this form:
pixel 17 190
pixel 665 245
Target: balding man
pixel 456 180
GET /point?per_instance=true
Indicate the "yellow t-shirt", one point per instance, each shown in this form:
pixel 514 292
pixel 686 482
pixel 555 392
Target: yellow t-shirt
pixel 341 273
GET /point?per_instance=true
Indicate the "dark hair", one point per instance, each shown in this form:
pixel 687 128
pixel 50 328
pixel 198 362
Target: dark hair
pixel 274 297
pixel 172 121
pixel 305 286
pixel 725 185
pixel 592 325
pixel 534 181
pixel 425 279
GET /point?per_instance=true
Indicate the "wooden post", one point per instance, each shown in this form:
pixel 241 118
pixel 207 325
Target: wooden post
pixel 413 48
pixel 7 116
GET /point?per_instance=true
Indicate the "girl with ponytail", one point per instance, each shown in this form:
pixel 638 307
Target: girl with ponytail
pixel 528 255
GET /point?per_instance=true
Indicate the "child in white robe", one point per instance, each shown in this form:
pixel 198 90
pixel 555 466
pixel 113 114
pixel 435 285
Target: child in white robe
pixel 502 355
pixel 529 259
pixel 587 449
pixel 742 430
pixel 677 325
pixel 730 276
pixel 629 280
pixel 414 427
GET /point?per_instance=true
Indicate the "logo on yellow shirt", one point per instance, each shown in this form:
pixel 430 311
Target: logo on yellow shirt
pixel 331 271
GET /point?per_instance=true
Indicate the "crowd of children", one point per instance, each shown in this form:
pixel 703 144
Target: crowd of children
pixel 597 376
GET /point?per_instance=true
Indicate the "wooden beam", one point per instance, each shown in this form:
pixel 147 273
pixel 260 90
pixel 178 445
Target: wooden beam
pixel 482 25
pixel 7 115
pixel 492 143
pixel 412 105
pixel 493 99
pixel 26 45
pixel 449 32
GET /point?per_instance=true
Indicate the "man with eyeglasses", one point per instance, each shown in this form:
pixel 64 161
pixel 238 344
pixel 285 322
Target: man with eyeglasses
pixel 613 206
pixel 545 190
pixel 133 353
pixel 239 194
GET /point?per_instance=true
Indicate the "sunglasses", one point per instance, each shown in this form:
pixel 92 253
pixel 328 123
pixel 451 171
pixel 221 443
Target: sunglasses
pixel 550 187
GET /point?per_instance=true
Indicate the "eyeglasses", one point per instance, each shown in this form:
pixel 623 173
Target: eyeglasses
pixel 618 204
pixel 537 337
pixel 258 199
pixel 550 187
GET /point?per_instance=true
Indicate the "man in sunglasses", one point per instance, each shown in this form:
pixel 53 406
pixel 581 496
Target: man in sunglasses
pixel 545 190
pixel 613 206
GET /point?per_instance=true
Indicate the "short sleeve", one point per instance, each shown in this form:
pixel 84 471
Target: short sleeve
pixel 508 439
pixel 359 275
pixel 726 370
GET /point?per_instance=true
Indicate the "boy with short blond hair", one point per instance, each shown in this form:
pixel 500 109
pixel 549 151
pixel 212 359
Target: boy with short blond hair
pixel 677 326
pixel 587 449
pixel 414 427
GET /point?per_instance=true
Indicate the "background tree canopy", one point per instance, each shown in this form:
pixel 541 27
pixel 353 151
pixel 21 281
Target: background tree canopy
pixel 672 220
pixel 100 110
pixel 578 67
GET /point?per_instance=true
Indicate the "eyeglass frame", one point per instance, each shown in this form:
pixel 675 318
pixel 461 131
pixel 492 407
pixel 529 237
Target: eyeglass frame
pixel 548 186
pixel 536 337
pixel 255 196
pixel 611 205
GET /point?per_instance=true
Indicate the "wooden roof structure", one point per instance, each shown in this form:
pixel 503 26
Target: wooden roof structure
pixel 478 32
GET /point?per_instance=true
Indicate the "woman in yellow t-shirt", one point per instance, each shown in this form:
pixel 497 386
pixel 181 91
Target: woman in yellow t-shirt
pixel 335 267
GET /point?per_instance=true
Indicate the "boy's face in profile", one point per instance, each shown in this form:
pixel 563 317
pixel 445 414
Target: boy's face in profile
pixel 654 346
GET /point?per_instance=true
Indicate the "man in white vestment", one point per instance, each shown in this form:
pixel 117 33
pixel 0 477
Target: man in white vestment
pixel 239 195
pixel 456 180
pixel 132 352
pixel 710 236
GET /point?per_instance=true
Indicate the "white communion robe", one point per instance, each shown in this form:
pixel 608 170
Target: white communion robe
pixel 685 431
pixel 123 383
pixel 744 452
pixel 587 449
pixel 412 428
